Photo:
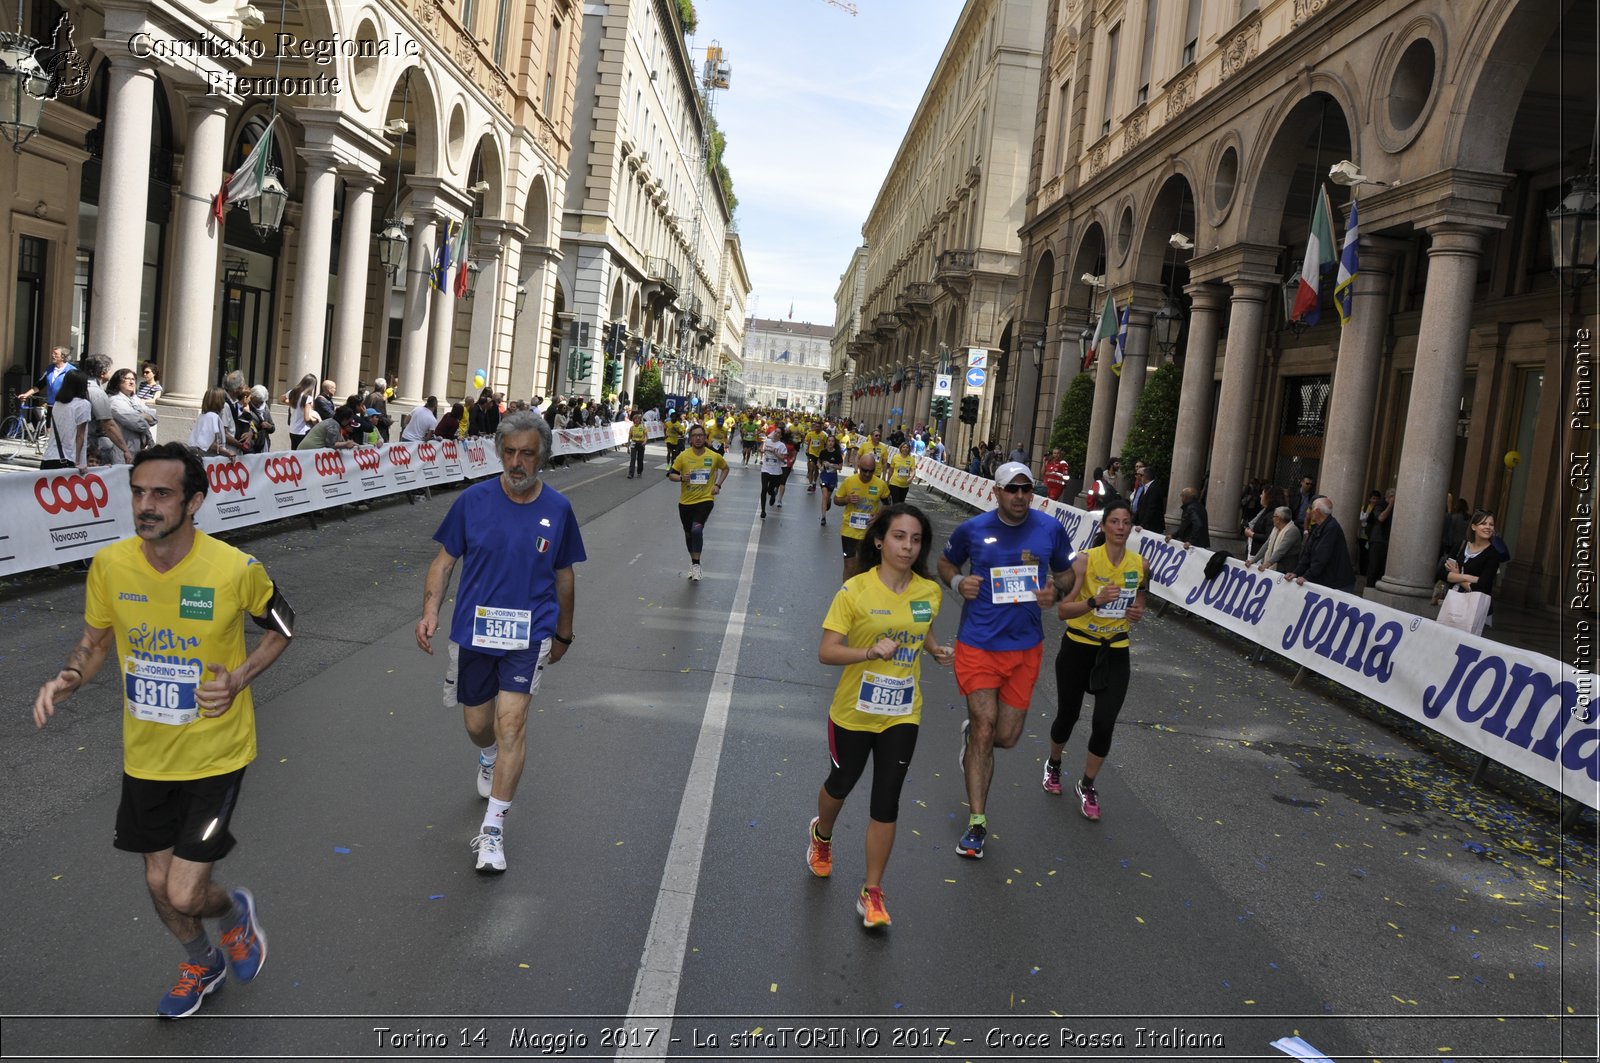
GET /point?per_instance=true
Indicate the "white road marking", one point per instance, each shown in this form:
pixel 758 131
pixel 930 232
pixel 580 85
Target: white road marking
pixel 636 557
pixel 655 988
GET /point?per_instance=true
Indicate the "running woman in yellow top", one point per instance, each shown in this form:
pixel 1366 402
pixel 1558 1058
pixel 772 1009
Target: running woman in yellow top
pixel 701 473
pixel 902 466
pixel 672 432
pixel 877 629
pixel 1112 582
pixel 637 436
pixel 717 433
pixel 814 438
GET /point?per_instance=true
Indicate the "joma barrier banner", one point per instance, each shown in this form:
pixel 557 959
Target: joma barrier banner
pixel 1532 713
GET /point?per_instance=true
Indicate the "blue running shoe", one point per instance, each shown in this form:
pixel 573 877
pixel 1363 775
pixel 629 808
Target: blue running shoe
pixel 245 945
pixel 194 982
pixel 971 843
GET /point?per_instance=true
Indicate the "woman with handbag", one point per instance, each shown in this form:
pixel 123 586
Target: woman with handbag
pixel 1470 570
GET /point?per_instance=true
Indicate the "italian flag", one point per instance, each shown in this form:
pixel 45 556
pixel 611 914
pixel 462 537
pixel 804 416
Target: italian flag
pixel 247 181
pixel 1320 258
pixel 463 241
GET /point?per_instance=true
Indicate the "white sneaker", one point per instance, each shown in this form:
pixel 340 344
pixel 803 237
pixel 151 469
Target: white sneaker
pixel 694 573
pixel 450 670
pixel 485 777
pixel 491 851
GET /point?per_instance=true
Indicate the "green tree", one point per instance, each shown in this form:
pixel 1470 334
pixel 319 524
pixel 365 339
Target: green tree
pixel 687 16
pixel 1071 430
pixel 647 391
pixel 1155 420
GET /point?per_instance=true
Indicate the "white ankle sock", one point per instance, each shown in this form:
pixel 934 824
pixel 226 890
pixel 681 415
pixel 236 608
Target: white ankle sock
pixel 496 814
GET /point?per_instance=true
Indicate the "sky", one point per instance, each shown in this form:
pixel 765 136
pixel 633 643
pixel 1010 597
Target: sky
pixel 817 106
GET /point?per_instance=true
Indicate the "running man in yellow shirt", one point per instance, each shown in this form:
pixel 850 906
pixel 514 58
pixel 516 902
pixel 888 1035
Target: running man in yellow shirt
pixel 701 472
pixel 171 604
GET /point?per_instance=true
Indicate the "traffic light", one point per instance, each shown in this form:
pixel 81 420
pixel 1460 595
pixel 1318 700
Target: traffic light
pixel 941 407
pixel 621 333
pixel 585 365
pixel 969 409
pixel 613 374
pixel 608 341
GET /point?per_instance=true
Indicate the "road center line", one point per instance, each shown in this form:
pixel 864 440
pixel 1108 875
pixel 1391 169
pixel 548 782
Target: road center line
pixel 655 988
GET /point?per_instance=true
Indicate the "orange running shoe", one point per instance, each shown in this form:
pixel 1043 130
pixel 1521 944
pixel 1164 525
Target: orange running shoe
pixel 819 853
pixel 869 905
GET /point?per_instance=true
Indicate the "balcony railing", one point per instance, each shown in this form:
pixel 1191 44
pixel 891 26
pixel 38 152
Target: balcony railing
pixel 665 273
pixel 955 263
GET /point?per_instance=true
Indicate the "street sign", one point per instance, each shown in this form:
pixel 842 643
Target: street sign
pixel 976 378
pixel 977 357
pixel 941 385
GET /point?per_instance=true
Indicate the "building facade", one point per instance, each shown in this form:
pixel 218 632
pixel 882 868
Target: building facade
pixel 847 301
pixel 422 113
pixel 785 363
pixel 643 233
pixel 1218 129
pixel 942 247
pixel 728 384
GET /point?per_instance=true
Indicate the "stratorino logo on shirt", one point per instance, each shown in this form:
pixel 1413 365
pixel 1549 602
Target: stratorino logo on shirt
pixel 196 603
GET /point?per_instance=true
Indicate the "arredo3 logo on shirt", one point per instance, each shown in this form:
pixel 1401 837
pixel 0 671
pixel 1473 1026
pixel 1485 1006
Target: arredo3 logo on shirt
pixel 196 603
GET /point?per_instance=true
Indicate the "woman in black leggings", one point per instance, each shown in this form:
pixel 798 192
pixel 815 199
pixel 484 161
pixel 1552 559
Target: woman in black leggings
pixel 1110 582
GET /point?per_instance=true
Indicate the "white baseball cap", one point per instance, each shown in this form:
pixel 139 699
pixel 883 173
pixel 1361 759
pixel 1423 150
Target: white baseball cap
pixel 1010 471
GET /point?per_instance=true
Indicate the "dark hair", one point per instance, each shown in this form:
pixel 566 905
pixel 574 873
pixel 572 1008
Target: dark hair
pixel 870 552
pixel 1479 516
pixel 116 378
pixel 75 385
pixel 155 370
pixel 1275 496
pixel 194 470
pixel 1116 503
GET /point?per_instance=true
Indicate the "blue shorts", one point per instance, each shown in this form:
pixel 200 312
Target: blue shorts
pixel 829 479
pixel 480 676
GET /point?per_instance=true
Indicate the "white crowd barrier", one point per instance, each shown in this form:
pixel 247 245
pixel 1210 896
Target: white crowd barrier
pixel 63 515
pixel 1532 713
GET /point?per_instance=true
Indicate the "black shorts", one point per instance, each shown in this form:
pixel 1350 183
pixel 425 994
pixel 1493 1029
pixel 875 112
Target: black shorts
pixel 851 546
pixel 188 816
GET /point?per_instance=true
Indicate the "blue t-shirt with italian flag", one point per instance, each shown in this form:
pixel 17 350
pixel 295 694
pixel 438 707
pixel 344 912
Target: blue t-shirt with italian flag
pixel 509 554
pixel 1013 561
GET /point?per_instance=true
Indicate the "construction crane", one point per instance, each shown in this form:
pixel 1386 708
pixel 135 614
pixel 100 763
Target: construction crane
pixel 844 5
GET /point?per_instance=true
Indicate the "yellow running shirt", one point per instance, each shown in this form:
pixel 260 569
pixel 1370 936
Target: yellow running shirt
pixel 1107 623
pixel 716 431
pixel 870 497
pixel 901 466
pixel 875 695
pixel 699 473
pixel 638 434
pixel 168 627
pixel 673 431
pixel 814 441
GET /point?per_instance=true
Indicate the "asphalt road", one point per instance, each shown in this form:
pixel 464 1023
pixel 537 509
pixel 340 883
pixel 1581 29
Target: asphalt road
pixel 1272 861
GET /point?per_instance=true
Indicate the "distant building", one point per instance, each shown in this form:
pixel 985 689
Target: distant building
pixel 847 300
pixel 785 363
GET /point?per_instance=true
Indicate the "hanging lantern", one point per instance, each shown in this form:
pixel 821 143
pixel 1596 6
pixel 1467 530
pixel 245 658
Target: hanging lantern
pixel 520 302
pixel 392 244
pixel 23 86
pixel 1573 228
pixel 1166 325
pixel 472 278
pixel 266 207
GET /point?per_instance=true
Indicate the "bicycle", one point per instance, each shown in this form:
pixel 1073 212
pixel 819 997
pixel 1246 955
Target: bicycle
pixel 27 427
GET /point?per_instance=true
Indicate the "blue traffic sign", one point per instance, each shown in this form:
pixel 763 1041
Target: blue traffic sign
pixel 977 377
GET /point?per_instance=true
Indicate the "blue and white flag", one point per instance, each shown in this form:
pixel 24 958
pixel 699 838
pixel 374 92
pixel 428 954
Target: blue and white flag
pixel 1121 346
pixel 1344 289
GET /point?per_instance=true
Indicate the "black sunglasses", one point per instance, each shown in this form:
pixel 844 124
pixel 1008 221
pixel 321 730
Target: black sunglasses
pixel 1017 489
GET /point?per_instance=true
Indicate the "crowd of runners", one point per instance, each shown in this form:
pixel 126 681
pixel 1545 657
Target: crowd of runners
pixel 189 727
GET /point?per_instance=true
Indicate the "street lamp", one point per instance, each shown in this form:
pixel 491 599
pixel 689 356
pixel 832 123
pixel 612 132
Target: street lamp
pixel 472 278
pixel 1085 346
pixel 266 207
pixel 519 302
pixel 1038 353
pixel 1573 230
pixel 1165 326
pixel 23 86
pixel 392 243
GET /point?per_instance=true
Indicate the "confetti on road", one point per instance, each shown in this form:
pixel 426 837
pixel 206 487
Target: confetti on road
pixel 341 849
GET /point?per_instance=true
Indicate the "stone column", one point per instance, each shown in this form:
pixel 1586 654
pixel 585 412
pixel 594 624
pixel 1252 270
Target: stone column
pixel 414 338
pixel 1103 415
pixel 344 362
pixel 188 368
pixel 530 333
pixel 1353 405
pixel 124 191
pixel 1231 442
pixel 1192 438
pixel 311 271
pixel 1429 443
pixel 441 337
pixel 1135 358
pixel 484 349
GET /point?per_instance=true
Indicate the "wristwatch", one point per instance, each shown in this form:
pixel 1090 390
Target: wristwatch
pixel 564 642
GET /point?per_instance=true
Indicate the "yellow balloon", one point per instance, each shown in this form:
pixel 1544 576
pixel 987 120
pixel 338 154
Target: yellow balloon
pixel 1513 458
pixel 478 379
